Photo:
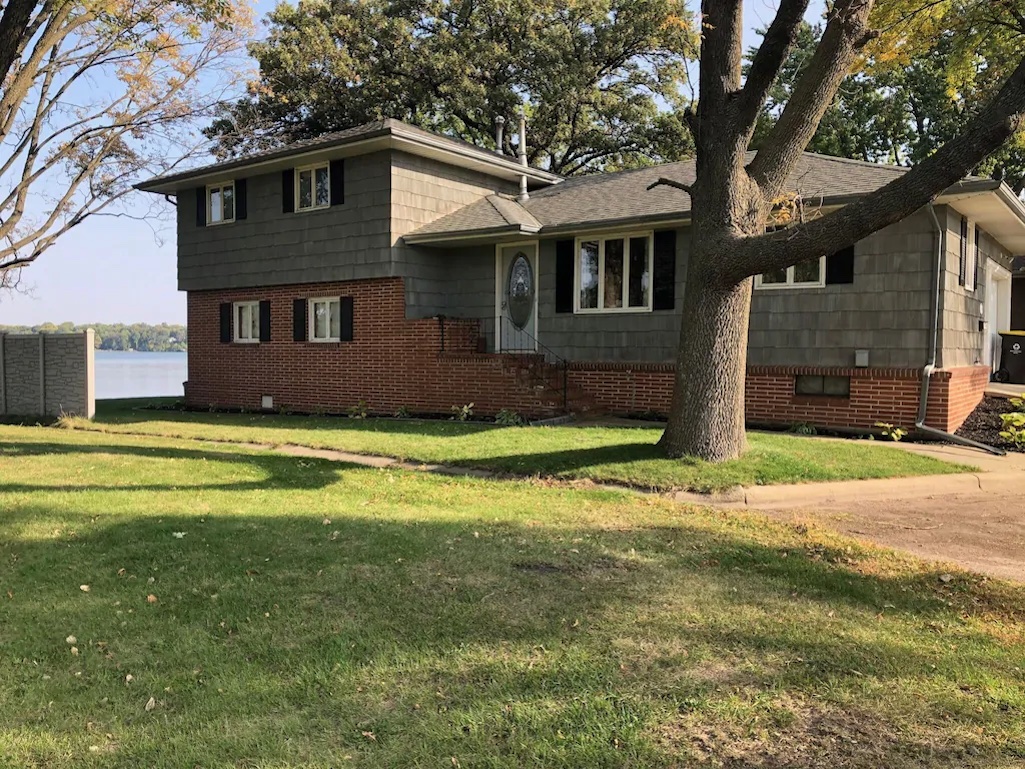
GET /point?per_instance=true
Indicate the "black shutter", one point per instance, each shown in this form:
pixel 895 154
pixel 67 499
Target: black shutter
pixel 225 322
pixel 665 270
pixel 962 270
pixel 288 191
pixel 265 320
pixel 564 275
pixel 840 267
pixel 337 176
pixel 347 319
pixel 201 206
pixel 299 330
pixel 978 259
pixel 241 199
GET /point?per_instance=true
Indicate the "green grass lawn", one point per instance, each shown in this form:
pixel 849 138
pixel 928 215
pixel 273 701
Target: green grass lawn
pixel 616 454
pixel 307 613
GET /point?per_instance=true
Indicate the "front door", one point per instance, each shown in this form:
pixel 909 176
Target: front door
pixel 516 295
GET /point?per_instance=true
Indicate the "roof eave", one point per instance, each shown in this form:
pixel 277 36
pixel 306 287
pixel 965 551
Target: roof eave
pixel 395 137
pixel 445 238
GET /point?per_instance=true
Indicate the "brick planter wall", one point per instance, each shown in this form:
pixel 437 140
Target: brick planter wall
pixel 394 362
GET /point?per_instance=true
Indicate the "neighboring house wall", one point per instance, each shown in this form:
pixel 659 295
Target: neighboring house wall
pixel 47 374
pixel 270 247
pixel 439 281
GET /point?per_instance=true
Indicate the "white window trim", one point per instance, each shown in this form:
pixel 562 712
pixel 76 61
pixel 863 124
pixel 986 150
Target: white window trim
pixel 821 282
pixel 972 257
pixel 313 168
pixel 311 318
pixel 209 203
pixel 235 307
pixel 624 236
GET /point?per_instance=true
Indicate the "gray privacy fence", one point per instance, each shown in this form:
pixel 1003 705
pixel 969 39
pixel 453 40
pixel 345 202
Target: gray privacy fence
pixel 47 374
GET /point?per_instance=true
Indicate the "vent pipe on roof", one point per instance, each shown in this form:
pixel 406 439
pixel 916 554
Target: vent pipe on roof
pixel 499 134
pixel 524 196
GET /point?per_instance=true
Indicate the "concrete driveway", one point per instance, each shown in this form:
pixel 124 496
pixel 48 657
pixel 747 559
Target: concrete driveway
pixel 975 520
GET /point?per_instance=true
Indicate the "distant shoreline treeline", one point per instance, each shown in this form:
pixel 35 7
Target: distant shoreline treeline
pixel 141 337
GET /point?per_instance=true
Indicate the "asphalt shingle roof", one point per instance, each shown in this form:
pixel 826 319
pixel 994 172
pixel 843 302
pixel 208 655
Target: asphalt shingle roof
pixel 624 195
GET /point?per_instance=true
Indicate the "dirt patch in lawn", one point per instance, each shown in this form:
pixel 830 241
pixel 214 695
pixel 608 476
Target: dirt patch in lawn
pixel 817 736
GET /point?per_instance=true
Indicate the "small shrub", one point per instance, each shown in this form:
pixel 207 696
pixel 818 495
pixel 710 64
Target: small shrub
pixel 803 428
pixel 893 432
pixel 1014 424
pixel 402 413
pixel 359 411
pixel 65 421
pixel 462 413
pixel 508 418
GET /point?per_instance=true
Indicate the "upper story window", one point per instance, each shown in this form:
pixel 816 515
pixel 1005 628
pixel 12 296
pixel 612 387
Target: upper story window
pixel 247 321
pixel 312 187
pixel 613 274
pixel 804 275
pixel 220 203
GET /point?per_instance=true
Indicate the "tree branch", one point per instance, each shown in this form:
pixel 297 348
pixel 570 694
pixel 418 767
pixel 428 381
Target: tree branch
pixel 998 121
pixel 772 53
pixel 664 182
pixel 845 33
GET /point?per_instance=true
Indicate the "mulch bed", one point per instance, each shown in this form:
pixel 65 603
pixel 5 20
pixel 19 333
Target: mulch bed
pixel 984 425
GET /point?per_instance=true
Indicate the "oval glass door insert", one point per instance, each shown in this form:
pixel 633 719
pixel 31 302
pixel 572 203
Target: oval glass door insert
pixel 521 291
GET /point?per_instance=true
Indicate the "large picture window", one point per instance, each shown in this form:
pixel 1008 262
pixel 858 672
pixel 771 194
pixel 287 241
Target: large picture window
pixel 613 274
pixel 220 203
pixel 312 187
pixel 247 321
pixel 325 320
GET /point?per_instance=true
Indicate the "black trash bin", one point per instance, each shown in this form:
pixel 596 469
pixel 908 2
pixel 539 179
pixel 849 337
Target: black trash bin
pixel 1012 357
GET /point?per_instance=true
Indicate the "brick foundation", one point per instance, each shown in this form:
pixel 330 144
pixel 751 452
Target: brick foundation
pixel 398 363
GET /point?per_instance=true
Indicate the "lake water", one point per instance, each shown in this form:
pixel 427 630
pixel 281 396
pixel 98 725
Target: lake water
pixel 140 374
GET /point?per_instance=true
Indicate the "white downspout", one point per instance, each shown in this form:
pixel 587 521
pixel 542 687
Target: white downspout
pixel 524 196
pixel 934 335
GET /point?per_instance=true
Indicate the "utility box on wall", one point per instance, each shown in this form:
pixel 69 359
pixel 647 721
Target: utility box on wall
pixel 46 375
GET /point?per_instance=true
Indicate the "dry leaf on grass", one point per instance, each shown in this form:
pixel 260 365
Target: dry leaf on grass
pixel 151 598
pixel 151 704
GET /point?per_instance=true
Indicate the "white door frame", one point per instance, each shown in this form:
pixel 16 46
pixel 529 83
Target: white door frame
pixel 500 286
pixel 997 312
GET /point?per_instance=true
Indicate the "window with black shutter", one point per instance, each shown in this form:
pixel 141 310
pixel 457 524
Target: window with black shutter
pixel 962 269
pixel 840 267
pixel 564 276
pixel 665 270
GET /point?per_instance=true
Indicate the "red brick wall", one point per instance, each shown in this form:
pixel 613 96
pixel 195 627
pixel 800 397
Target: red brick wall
pixel 394 362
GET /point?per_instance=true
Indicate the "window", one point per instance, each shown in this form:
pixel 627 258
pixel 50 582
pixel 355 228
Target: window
pixel 220 203
pixel 312 187
pixel 325 320
pixel 614 274
pixel 247 321
pixel 804 275
pixel 830 386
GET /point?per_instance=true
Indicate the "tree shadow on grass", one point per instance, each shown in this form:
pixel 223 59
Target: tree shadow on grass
pixel 279 472
pixel 276 638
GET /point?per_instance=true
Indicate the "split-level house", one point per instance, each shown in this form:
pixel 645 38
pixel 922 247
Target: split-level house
pixel 402 270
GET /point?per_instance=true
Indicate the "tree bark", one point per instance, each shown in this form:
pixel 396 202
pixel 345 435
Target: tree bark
pixel 706 418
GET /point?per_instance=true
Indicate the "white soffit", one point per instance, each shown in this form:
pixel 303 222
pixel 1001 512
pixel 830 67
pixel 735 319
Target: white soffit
pixel 994 211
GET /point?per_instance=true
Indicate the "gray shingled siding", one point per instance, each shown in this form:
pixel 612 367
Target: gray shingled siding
pixel 961 339
pixel 269 247
pixel 458 282
pixel 885 310
pixel 642 336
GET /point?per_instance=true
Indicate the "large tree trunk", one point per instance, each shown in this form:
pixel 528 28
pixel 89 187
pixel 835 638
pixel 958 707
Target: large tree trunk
pixel 706 418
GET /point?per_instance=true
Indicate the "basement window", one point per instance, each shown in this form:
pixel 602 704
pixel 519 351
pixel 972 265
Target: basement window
pixel 830 386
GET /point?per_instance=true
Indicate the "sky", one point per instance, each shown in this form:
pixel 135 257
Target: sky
pixel 122 270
